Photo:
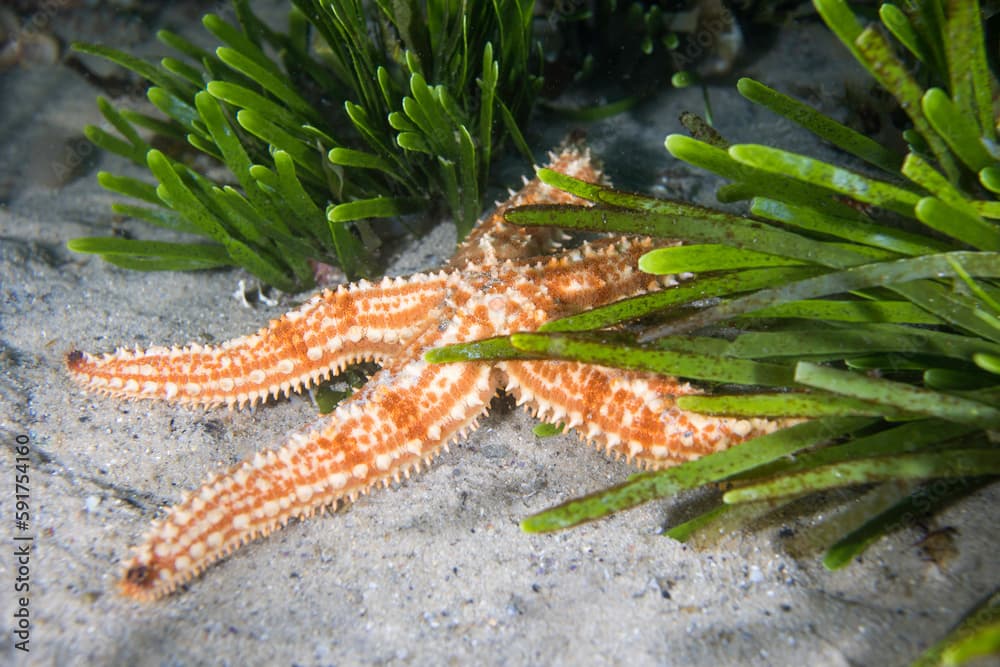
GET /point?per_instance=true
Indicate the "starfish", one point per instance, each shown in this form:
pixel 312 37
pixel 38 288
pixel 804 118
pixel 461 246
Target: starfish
pixel 498 282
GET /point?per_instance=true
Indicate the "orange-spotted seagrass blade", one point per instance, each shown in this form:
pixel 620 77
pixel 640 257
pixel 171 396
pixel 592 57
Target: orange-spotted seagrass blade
pixel 385 431
pixel 358 322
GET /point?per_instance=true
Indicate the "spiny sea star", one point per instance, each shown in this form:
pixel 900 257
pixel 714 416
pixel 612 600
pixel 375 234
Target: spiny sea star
pixel 497 283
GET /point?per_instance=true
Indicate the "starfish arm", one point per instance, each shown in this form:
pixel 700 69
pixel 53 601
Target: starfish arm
pixel 494 240
pixel 335 328
pixel 630 413
pixel 595 274
pixel 386 431
pixel 524 294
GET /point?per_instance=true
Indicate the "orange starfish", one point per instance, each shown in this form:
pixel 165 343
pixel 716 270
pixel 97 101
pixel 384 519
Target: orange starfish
pixel 496 284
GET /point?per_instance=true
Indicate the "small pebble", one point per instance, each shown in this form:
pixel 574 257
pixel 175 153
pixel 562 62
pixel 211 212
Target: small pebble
pixel 92 503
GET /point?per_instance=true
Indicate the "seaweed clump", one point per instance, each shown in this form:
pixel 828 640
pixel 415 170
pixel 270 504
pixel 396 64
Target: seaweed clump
pixel 359 111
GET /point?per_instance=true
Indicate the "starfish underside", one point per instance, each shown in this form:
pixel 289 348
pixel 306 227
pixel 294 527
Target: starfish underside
pixel 499 282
